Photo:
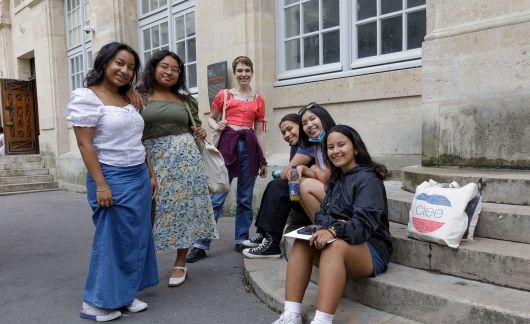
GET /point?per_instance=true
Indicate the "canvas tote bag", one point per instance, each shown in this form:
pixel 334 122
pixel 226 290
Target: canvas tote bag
pixel 214 164
pixel 437 213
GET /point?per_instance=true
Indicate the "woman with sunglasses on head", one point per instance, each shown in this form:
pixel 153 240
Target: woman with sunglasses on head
pixel 315 122
pixel 184 211
pixel 354 240
pixel 241 144
pixel 275 202
pixel 120 184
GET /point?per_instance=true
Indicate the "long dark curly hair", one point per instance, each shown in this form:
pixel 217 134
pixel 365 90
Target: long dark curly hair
pixel 105 54
pixel 148 80
pixel 362 157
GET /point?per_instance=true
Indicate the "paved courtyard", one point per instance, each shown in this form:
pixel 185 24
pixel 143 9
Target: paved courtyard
pixel 45 241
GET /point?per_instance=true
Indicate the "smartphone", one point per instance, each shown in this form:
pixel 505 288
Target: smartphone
pixel 309 230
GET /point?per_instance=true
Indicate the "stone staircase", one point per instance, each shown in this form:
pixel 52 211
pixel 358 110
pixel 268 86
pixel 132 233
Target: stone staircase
pixel 486 280
pixel 24 173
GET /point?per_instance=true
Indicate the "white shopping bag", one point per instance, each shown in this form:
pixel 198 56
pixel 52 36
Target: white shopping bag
pixel 437 213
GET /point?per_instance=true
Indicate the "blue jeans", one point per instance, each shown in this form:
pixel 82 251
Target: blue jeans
pixel 245 189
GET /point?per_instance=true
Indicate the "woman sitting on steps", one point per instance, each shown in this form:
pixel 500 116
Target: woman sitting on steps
pixel 275 202
pixel 354 240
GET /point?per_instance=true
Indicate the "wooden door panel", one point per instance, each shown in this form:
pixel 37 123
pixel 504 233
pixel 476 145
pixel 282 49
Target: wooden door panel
pixel 19 117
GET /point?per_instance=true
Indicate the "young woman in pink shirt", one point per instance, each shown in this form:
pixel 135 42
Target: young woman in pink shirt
pixel 243 128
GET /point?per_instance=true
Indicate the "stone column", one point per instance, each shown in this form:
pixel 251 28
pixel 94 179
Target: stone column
pixel 476 84
pixel 6 64
pixel 114 21
pixel 49 47
pixel 226 29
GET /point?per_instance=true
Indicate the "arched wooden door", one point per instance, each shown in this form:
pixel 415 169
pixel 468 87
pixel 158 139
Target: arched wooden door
pixel 20 119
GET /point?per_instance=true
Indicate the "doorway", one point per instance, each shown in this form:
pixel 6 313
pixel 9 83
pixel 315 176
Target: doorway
pixel 20 117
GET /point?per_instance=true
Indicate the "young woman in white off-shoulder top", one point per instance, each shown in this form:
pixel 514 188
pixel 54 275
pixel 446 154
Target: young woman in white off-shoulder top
pixel 120 185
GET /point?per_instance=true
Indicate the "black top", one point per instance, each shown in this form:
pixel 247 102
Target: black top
pixel 356 206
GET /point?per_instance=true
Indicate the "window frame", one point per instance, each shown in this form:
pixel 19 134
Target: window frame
pixel 404 55
pixel 150 26
pixel 174 17
pixel 174 9
pixel 348 64
pixel 150 12
pixel 81 49
pixel 303 71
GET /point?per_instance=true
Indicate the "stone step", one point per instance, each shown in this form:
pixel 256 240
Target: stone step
pixel 23 187
pixel 26 179
pixel 21 165
pixel 20 158
pixel 433 297
pixel 437 298
pixel 494 261
pixel 495 185
pixel 27 191
pixel 497 221
pixel 267 278
pixel 23 172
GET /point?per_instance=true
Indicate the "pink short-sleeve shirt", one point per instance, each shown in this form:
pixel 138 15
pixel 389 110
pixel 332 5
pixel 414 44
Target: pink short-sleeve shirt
pixel 238 112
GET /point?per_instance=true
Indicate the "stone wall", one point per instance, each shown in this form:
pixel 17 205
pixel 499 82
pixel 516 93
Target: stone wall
pixel 385 108
pixel 476 84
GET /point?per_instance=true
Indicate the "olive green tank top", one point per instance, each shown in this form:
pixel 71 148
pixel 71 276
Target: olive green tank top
pixel 164 118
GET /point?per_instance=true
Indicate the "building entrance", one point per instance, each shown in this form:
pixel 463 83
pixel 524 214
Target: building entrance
pixel 19 116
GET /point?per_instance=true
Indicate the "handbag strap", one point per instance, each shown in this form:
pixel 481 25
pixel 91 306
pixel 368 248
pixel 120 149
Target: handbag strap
pixel 199 141
pixel 187 105
pixel 224 103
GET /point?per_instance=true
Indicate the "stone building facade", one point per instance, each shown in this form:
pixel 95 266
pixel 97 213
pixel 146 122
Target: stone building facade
pixel 440 82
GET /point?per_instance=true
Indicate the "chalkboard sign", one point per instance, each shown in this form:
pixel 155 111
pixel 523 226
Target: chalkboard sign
pixel 217 79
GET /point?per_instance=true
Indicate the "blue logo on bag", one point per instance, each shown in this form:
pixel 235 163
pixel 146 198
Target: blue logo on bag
pixel 434 199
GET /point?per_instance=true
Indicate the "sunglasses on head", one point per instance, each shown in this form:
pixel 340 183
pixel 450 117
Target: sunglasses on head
pixel 307 107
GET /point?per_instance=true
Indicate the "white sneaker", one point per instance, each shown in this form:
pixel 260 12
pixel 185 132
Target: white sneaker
pixel 136 306
pixel 289 318
pixel 98 314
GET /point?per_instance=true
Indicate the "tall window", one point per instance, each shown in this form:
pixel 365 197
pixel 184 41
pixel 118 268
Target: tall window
pixel 151 5
pixel 311 33
pixel 169 24
pixel 78 41
pixel 155 38
pixel 333 36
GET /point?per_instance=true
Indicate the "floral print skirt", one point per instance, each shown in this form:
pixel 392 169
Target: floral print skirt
pixel 184 211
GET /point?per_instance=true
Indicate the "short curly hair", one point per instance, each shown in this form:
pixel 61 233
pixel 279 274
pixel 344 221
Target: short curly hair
pixel 243 60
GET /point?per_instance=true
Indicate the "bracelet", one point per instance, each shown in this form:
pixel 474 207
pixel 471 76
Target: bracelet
pixel 333 231
pixel 101 190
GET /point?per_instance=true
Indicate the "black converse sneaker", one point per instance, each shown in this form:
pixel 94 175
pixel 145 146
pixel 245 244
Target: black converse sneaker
pixel 253 242
pixel 266 250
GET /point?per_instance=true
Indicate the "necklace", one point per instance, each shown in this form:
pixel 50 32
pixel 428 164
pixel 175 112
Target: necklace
pixel 244 96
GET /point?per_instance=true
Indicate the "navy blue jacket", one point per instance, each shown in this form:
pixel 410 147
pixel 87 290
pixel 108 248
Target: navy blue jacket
pixel 356 206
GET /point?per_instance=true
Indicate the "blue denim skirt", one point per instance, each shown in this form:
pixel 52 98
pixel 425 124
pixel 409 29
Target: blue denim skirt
pixel 123 259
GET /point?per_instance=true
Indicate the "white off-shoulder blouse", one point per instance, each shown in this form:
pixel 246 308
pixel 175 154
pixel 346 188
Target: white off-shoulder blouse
pixel 118 130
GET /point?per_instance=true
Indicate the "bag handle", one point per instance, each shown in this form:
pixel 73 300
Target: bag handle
pixel 199 141
pixel 224 103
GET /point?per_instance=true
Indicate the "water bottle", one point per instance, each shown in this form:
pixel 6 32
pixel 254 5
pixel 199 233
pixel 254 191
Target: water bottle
pixel 276 174
pixel 294 184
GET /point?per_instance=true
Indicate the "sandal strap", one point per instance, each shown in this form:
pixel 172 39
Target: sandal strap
pixel 181 268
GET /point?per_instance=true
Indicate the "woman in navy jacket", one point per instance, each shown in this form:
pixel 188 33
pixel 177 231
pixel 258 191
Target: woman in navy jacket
pixel 354 240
